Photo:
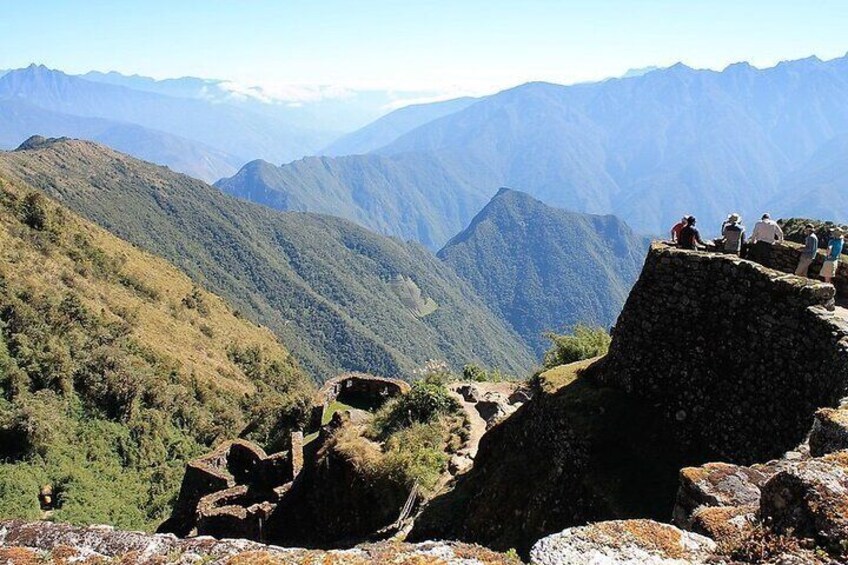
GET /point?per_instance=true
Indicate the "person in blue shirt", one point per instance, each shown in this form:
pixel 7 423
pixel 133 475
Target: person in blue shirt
pixel 834 250
pixel 811 248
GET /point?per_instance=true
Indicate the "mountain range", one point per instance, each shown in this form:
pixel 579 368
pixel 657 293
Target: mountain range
pixel 237 131
pixel 340 297
pixel 544 269
pixel 646 148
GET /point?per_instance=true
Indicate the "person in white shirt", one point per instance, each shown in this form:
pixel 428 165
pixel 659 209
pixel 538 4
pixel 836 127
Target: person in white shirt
pixel 766 230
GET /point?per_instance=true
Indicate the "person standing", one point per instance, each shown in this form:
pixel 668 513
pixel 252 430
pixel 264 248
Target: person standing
pixel 678 227
pixel 834 250
pixel 689 236
pixel 733 234
pixel 766 230
pixel 808 255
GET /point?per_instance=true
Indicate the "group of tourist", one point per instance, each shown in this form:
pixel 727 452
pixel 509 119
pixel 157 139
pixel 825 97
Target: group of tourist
pixel 686 235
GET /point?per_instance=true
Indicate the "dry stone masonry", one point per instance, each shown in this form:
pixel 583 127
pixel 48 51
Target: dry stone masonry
pixel 736 356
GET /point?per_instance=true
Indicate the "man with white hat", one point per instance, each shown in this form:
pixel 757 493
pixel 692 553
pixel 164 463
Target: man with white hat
pixel 733 233
pixel 834 250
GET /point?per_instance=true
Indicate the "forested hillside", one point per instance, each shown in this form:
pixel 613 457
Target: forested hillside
pixel 116 368
pixel 545 269
pixel 340 297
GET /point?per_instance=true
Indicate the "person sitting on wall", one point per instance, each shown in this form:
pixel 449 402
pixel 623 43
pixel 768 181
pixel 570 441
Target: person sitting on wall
pixel 690 238
pixel 733 234
pixel 678 227
pixel 766 230
pixel 808 255
pixel 834 250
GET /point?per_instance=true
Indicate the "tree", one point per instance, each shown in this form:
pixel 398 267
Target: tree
pixel 584 343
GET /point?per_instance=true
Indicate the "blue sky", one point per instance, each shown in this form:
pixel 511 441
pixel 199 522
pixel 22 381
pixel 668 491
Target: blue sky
pixel 460 45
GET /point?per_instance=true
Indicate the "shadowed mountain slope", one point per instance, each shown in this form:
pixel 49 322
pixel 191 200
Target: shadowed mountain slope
pixel 544 269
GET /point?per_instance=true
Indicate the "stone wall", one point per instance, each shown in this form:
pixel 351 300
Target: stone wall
pixel 784 257
pixel 360 390
pixel 735 357
pixel 230 492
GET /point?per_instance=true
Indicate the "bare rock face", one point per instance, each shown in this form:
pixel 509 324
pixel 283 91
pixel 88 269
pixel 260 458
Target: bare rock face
pixel 810 499
pixel 723 523
pixel 623 542
pixel 23 543
pixel 720 484
pixel 830 431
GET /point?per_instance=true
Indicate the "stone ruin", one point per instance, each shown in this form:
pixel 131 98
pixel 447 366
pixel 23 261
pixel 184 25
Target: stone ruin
pixel 234 490
pixel 359 390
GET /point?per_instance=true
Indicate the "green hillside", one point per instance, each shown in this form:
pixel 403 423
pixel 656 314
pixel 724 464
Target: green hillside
pixel 545 269
pixel 115 369
pixel 327 287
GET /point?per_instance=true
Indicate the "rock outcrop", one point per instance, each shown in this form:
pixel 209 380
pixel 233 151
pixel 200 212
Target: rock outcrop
pixel 46 543
pixel 625 542
pixel 714 358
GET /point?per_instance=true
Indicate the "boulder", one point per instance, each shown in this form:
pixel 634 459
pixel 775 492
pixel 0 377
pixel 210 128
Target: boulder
pixel 623 542
pixel 810 499
pixel 719 484
pixel 830 431
pixel 48 543
pixel 469 392
pixel 723 523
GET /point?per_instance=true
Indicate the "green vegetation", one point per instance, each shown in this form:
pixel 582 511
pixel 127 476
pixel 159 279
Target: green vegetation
pixel 110 380
pixel 543 269
pixel 324 286
pixel 584 343
pixel 409 439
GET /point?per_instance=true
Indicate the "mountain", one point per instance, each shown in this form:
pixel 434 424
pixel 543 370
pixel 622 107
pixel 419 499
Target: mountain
pixel 19 119
pixel 391 126
pixel 544 269
pixel 228 128
pixel 340 297
pixel 646 148
pixel 116 369
pixel 817 188
pixel 414 196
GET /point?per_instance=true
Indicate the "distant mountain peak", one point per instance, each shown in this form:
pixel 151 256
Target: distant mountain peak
pixel 37 141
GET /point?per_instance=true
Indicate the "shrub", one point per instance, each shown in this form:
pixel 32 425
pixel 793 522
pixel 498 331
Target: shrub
pixel 415 455
pixel 424 403
pixel 34 212
pixel 584 343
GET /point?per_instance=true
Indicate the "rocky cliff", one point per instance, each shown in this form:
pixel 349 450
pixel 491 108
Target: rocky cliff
pixel 713 358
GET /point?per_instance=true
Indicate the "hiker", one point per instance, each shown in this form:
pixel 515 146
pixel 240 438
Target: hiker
pixel 690 238
pixel 834 250
pixel 733 234
pixel 675 231
pixel 766 230
pixel 808 255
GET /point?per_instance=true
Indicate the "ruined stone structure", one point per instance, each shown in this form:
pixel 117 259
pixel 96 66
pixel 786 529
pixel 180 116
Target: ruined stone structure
pixel 231 491
pixel 359 390
pixel 238 490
